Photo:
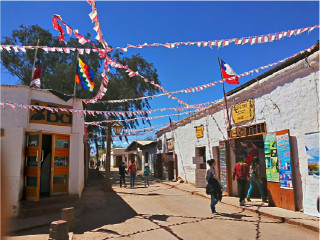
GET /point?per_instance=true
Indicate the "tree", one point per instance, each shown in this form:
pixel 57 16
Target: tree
pixel 58 73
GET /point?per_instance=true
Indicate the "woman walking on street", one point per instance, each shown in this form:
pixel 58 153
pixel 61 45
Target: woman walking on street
pixel 146 175
pixel 132 169
pixel 241 173
pixel 122 173
pixel 255 179
pixel 213 187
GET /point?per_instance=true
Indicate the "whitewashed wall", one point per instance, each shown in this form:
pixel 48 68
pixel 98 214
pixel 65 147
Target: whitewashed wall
pixel 15 125
pixel 287 99
pixel 151 151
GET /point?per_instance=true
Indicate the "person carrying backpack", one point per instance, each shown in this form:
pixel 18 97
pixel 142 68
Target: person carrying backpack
pixel 122 173
pixel 255 179
pixel 213 187
pixel 132 169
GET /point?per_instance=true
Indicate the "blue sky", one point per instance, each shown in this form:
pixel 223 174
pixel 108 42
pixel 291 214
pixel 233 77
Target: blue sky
pixel 139 22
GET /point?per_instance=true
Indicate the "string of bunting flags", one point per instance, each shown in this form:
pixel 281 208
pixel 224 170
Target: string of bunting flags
pixel 94 112
pixel 214 43
pixel 212 84
pixel 192 89
pixel 125 135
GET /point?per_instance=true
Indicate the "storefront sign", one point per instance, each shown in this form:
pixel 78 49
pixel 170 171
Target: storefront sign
pixel 199 131
pixel 44 116
pixel 311 197
pixel 252 130
pixel 284 159
pixel 312 148
pixel 170 144
pixel 243 111
pixel 271 157
pixel 159 144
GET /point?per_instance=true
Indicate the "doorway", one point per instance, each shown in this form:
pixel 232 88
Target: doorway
pixel 46 165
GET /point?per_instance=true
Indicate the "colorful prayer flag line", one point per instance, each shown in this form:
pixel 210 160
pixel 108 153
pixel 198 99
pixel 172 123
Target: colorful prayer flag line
pixel 84 76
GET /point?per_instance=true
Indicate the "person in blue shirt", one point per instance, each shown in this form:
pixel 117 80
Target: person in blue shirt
pixel 146 175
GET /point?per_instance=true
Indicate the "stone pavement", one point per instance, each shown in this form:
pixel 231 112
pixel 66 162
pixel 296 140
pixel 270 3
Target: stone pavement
pixel 256 205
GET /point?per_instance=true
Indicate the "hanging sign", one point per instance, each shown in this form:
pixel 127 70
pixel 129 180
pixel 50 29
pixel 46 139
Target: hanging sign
pixel 44 116
pixel 271 157
pixel 284 159
pixel 159 144
pixel 243 111
pixel 170 145
pixel 199 131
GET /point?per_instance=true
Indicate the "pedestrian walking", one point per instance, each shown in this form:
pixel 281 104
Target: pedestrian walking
pixel 122 174
pixel 213 187
pixel 241 173
pixel 132 169
pixel 255 179
pixel 146 174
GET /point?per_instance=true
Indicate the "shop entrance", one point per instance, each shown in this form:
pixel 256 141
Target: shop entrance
pixel 47 165
pixel 251 147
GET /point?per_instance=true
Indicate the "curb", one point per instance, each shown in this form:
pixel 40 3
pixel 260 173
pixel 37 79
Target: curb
pixel 282 219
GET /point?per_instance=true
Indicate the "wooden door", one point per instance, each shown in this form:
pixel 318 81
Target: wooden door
pixel 60 165
pixel 34 157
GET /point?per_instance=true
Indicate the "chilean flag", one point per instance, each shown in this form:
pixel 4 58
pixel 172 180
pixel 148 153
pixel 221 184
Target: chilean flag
pixel 36 73
pixel 227 72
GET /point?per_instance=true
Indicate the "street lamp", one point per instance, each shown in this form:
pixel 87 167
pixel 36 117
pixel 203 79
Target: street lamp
pixel 117 128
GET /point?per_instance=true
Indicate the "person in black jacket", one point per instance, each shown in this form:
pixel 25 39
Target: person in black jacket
pixel 213 187
pixel 122 173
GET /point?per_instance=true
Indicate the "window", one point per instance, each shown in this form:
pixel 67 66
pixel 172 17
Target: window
pixel 33 140
pixel 32 161
pixel 61 143
pixel 60 161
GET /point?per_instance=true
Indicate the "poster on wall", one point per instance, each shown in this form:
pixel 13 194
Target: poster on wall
pixel 312 149
pixel 271 157
pixel 284 159
pixel 199 131
pixel 311 197
pixel 223 165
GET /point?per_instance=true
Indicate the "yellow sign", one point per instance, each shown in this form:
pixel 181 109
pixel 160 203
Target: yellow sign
pixel 45 116
pixel 170 144
pixel 199 131
pixel 243 111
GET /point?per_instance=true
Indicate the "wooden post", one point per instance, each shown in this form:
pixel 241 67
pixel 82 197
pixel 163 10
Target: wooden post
pixel 108 157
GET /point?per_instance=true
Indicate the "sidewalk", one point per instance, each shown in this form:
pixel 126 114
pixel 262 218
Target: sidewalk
pixel 256 205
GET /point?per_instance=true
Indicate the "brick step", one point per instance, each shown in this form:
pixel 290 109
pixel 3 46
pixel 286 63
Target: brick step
pixel 50 208
pixel 51 200
pixel 46 206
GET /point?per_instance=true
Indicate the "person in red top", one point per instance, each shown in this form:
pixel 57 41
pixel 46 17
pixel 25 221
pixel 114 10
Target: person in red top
pixel 132 169
pixel 241 173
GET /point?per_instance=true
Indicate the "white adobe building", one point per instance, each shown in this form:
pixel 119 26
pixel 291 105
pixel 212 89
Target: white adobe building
pixel 283 101
pixel 42 152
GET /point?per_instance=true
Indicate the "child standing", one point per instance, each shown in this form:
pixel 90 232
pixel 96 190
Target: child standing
pixel 146 175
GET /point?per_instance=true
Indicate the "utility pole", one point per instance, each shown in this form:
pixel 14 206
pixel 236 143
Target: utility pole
pixel 108 158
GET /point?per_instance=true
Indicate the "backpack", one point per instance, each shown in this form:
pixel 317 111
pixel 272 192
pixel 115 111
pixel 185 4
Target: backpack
pixel 209 189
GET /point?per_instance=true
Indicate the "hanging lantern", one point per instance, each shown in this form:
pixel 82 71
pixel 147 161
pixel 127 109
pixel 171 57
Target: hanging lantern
pixel 117 128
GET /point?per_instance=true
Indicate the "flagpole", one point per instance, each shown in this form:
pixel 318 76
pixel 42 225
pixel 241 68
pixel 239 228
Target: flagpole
pixel 74 90
pixel 75 83
pixel 224 97
pixel 34 60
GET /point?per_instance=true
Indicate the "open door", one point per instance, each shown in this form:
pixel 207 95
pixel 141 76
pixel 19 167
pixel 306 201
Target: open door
pixel 34 157
pixel 60 165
